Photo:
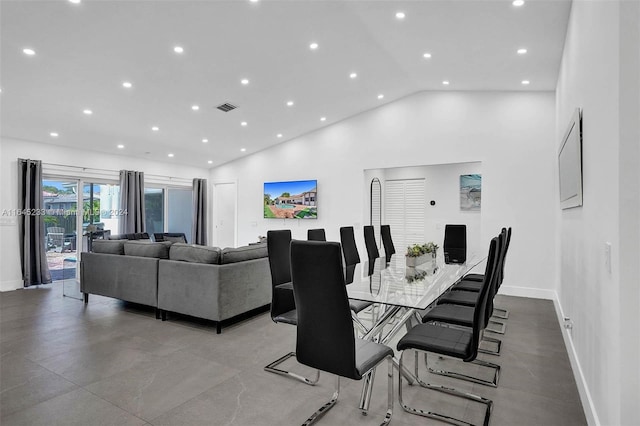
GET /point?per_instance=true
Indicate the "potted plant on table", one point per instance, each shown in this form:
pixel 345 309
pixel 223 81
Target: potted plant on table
pixel 421 253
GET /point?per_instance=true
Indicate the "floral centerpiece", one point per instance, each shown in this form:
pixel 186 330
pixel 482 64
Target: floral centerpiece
pixel 421 253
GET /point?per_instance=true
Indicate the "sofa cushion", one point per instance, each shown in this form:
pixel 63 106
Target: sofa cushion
pixel 147 249
pixel 194 253
pixel 240 254
pixel 108 246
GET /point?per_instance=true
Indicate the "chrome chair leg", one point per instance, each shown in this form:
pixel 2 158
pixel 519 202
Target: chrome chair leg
pixel 492 383
pixel 495 341
pixel 496 326
pixel 271 368
pixel 326 407
pixel 500 313
pixel 450 391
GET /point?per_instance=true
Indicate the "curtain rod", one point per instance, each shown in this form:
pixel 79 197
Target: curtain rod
pixel 90 169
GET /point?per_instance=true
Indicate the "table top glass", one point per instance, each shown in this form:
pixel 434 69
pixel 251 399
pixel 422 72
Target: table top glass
pixel 410 287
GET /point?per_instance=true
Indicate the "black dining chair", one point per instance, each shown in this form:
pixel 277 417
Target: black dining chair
pixel 350 250
pixel 316 235
pixel 456 343
pixel 387 242
pixel 325 337
pixel 455 243
pixel 462 315
pixel 370 242
pixel 351 260
pixel 470 298
pixel 283 307
pixel 472 282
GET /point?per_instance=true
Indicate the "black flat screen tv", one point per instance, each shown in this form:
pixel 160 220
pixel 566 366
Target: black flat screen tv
pixel 570 163
pixel 291 199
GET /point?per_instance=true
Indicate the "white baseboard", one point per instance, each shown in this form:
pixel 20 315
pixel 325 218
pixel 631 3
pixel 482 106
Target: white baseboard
pixel 583 390
pixel 10 285
pixel 535 293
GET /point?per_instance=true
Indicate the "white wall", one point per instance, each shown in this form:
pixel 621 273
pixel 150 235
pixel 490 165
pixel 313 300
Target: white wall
pixel 442 185
pixel 511 133
pixel 11 150
pixel 600 74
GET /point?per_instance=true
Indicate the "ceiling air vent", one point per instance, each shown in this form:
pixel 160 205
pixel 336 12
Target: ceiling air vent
pixel 226 107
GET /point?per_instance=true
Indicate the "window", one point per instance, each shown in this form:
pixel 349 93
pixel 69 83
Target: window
pixel 154 210
pixel 180 211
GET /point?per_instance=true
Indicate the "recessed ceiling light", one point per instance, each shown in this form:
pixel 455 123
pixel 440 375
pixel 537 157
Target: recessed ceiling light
pixel 522 51
pixel 526 82
pixel 244 81
pixel 279 135
pixel 244 123
pixel 518 3
pixel 254 1
pixel 210 161
pixel 28 51
pixel 445 82
pixel 178 49
pixel 53 134
pixel 87 112
pixel 127 84
pixel 289 103
pixel 243 149
pixel 400 15
pixel 313 46
pixel 170 155
pixel 205 140
pixel 120 146
pixel 426 55
pixel 155 128
pixel 323 118
pixel 74 1
pixel 380 96
pixel 353 75
pixel 195 107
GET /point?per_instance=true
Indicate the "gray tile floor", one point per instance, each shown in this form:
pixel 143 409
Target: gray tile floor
pixel 112 363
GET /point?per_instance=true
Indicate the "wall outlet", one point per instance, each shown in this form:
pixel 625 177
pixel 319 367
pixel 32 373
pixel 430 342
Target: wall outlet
pixel 607 257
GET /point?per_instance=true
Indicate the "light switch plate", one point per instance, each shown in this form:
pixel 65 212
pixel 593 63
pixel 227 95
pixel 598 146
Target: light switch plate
pixel 607 257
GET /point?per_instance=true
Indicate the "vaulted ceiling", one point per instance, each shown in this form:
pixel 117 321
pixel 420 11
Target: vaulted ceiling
pixel 290 67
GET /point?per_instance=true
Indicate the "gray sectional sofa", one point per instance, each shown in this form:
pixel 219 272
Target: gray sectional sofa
pixel 200 281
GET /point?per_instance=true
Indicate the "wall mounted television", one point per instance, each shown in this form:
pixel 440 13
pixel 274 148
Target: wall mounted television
pixel 291 200
pixel 570 163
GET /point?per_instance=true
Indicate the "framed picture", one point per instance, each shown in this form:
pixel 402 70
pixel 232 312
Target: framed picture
pixel 470 192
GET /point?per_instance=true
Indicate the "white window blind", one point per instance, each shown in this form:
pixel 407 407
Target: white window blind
pixel 404 211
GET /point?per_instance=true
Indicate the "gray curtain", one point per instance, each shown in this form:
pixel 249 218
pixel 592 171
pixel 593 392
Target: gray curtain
pixel 131 201
pixel 35 270
pixel 199 227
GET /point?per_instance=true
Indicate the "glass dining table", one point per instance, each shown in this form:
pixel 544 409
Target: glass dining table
pixel 399 292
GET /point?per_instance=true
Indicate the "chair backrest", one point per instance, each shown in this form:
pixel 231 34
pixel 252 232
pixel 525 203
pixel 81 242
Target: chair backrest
pixel 500 250
pixel 370 242
pixel 480 317
pixel 455 243
pixel 176 237
pixel 278 249
pixel 325 338
pixel 504 254
pixel 348 241
pixel 55 230
pixel 389 249
pixel 316 235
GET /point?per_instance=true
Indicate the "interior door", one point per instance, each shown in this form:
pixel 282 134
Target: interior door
pixel 224 208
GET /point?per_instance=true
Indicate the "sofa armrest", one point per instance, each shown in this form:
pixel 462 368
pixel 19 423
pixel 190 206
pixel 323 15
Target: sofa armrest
pixel 130 278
